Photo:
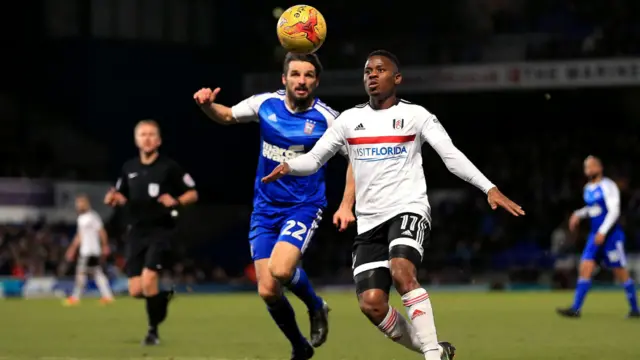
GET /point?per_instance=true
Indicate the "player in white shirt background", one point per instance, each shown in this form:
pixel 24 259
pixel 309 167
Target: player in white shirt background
pixel 91 244
pixel 384 140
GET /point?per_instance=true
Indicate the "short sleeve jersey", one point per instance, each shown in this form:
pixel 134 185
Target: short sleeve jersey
pixel 285 134
pixel 142 184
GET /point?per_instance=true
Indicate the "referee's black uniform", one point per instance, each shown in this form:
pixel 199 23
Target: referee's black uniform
pixel 150 224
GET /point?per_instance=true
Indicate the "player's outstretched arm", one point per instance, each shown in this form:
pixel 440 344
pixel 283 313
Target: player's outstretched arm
pixel 205 98
pixel 245 111
pixel 458 164
pixel 327 146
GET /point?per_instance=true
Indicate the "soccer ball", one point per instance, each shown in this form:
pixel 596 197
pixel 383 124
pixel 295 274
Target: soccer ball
pixel 301 29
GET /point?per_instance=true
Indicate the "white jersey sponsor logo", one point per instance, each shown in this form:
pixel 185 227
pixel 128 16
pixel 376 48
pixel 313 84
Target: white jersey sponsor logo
pixel 380 153
pixel 279 154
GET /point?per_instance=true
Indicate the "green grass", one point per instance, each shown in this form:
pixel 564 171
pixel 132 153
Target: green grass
pixel 234 327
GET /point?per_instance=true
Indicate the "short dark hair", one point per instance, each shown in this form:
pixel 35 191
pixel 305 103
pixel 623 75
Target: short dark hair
pixel 310 58
pixel 388 54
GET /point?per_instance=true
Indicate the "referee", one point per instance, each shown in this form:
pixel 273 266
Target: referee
pixel 151 188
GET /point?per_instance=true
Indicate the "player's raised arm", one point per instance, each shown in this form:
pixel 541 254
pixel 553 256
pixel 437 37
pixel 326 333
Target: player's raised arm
pixel 205 98
pixel 243 112
pixel 327 146
pixel 458 164
pixel 611 195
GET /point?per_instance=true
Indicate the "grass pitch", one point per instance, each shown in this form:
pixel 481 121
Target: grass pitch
pixel 496 326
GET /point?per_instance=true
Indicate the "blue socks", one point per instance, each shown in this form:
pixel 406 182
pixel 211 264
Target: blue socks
pixel 581 293
pixel 282 313
pixel 583 288
pixel 630 291
pixel 301 286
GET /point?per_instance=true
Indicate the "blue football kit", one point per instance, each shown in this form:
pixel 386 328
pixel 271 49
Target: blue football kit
pixel 289 209
pixel 602 199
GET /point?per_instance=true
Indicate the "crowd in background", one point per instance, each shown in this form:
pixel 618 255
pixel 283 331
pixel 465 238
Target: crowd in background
pixel 473 31
pixel 469 242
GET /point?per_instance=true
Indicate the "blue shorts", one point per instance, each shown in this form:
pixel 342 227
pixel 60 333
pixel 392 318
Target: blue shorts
pixel 294 225
pixel 611 252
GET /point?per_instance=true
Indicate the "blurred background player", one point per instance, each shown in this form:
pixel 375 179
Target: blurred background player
pixel 384 139
pixel 286 213
pixel 606 239
pixel 93 244
pixel 152 188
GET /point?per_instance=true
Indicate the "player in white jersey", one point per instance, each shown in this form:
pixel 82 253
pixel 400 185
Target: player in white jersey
pixel 92 244
pixel 384 139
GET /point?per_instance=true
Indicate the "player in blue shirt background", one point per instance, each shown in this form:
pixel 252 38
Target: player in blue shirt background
pixel 286 213
pixel 606 239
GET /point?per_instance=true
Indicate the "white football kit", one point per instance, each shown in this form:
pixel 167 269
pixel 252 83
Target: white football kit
pixel 89 226
pixel 385 151
pixel 392 206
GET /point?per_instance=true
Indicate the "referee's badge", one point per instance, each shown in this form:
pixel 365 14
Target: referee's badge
pixel 154 190
pixel 188 180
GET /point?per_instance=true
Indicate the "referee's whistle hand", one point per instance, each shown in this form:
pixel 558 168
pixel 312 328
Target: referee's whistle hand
pixel 280 171
pixel 114 198
pixel 167 200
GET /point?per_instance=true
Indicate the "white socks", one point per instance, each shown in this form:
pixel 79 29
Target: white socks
pixel 103 284
pixel 396 328
pixel 81 282
pixel 418 307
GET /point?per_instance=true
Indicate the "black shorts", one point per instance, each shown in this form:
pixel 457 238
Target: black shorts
pixel 374 248
pixel 86 263
pixel 150 250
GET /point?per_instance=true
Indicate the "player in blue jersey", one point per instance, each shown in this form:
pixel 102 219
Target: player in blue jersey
pixel 287 212
pixel 606 239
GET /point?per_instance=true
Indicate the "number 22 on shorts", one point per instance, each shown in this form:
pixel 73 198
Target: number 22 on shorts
pixel 295 229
